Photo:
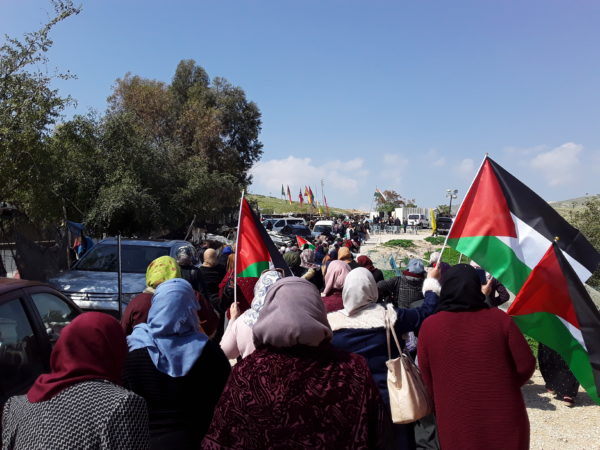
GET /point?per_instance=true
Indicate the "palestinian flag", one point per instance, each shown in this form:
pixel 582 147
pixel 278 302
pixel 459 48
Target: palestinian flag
pixel 554 307
pixel 301 241
pixel 255 250
pixel 522 241
pixel 507 229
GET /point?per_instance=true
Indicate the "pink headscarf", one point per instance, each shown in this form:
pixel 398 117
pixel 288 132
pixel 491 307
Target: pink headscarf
pixel 335 276
pixel 293 314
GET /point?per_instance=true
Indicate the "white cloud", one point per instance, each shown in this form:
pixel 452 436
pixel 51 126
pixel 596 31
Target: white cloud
pixel 440 162
pixel 393 166
pixel 525 151
pixel 466 168
pixel 560 165
pixel 298 172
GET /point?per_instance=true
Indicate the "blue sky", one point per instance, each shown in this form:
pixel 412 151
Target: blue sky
pixel 403 95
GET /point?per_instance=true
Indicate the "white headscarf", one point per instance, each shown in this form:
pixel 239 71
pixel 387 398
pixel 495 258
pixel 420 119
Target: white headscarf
pixel 261 287
pixel 360 290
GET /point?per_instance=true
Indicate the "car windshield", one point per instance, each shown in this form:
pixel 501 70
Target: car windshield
pixel 322 228
pixel 134 258
pixel 413 216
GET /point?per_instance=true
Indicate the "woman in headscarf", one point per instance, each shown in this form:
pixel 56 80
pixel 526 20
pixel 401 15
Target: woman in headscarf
pixel 365 261
pixel 474 360
pixel 334 283
pixel 332 255
pixel 80 404
pixel 296 390
pixel 238 339
pixel 176 368
pixel 292 258
pixel 344 254
pixel 160 270
pixel 360 328
pixel 312 271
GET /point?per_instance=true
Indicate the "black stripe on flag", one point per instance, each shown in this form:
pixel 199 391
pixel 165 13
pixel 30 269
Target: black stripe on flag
pixel 539 215
pixel 586 312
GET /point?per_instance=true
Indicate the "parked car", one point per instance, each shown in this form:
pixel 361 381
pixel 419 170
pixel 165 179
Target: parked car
pixel 279 223
pixel 322 227
pixel 92 282
pixel 444 224
pixel 296 230
pixel 32 316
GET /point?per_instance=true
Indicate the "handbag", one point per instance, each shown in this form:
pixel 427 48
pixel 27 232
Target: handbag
pixel 409 399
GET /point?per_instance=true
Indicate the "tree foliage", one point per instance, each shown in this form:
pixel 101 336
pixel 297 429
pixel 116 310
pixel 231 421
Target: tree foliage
pixel 587 220
pixel 391 200
pixel 29 106
pixel 160 155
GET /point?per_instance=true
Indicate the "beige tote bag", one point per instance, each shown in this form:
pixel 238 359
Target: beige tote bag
pixel 409 399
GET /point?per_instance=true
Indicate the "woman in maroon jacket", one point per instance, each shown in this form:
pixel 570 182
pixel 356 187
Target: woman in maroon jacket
pixel 474 361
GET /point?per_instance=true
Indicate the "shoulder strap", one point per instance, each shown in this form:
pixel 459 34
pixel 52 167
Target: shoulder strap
pixel 389 327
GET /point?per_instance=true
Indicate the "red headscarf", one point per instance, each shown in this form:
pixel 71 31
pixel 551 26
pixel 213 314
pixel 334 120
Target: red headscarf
pixel 365 261
pixel 92 347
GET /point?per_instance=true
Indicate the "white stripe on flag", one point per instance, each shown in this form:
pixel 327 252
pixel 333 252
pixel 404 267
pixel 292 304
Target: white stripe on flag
pixel 530 247
pixel 575 332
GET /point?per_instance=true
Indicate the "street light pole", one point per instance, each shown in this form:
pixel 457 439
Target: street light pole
pixel 452 193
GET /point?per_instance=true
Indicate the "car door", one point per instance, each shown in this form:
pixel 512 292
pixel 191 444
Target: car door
pixel 24 348
pixel 53 310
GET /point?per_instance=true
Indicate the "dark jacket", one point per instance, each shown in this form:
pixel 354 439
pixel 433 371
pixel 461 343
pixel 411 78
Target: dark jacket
pixel 180 408
pixel 402 291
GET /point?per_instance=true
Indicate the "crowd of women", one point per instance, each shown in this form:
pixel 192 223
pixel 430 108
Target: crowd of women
pixel 309 359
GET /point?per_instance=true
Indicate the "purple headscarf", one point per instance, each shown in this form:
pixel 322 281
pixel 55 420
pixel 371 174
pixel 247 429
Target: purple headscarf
pixel 293 314
pixel 335 276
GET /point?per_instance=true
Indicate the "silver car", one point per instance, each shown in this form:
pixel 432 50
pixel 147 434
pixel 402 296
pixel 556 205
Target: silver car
pixel 92 282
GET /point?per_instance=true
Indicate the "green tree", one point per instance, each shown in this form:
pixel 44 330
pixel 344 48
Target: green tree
pixel 391 200
pixel 587 221
pixel 29 106
pixel 443 209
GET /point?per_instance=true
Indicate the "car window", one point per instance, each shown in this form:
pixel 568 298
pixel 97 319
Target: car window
pixel 21 360
pixel 134 258
pixel 279 223
pixel 296 221
pixel 55 313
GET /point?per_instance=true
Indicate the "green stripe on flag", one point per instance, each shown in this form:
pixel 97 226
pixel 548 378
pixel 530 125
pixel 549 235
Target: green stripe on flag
pixel 254 270
pixel 496 257
pixel 550 331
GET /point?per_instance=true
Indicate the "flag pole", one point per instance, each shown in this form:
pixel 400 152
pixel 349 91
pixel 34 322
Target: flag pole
pixel 461 205
pixel 237 240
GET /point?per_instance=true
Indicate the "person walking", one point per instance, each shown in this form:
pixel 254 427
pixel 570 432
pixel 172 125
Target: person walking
pixel 296 390
pixel 80 403
pixel 474 360
pixel 176 368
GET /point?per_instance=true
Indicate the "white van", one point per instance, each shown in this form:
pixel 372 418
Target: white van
pixel 322 226
pixel 418 220
pixel 279 223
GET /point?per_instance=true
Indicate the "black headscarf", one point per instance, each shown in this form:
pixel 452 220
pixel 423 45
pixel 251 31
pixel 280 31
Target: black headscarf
pixel 461 290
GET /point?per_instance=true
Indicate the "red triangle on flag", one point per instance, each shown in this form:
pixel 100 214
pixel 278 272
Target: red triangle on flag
pixel 546 290
pixel 484 211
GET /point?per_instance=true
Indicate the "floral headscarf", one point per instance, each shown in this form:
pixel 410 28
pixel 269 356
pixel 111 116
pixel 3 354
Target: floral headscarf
pixel 160 270
pixel 307 259
pixel 261 287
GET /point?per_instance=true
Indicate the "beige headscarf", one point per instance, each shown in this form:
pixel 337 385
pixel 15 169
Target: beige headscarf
pixel 210 258
pixel 360 290
pixel 293 314
pixel 344 254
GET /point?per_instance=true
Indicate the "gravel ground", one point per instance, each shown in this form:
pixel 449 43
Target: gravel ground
pixel 554 425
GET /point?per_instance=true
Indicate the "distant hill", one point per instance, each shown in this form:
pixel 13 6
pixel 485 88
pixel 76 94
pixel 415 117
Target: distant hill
pixel 574 202
pixel 273 205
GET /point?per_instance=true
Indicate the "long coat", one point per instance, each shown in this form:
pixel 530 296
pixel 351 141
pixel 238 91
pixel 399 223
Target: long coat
pixel 474 364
